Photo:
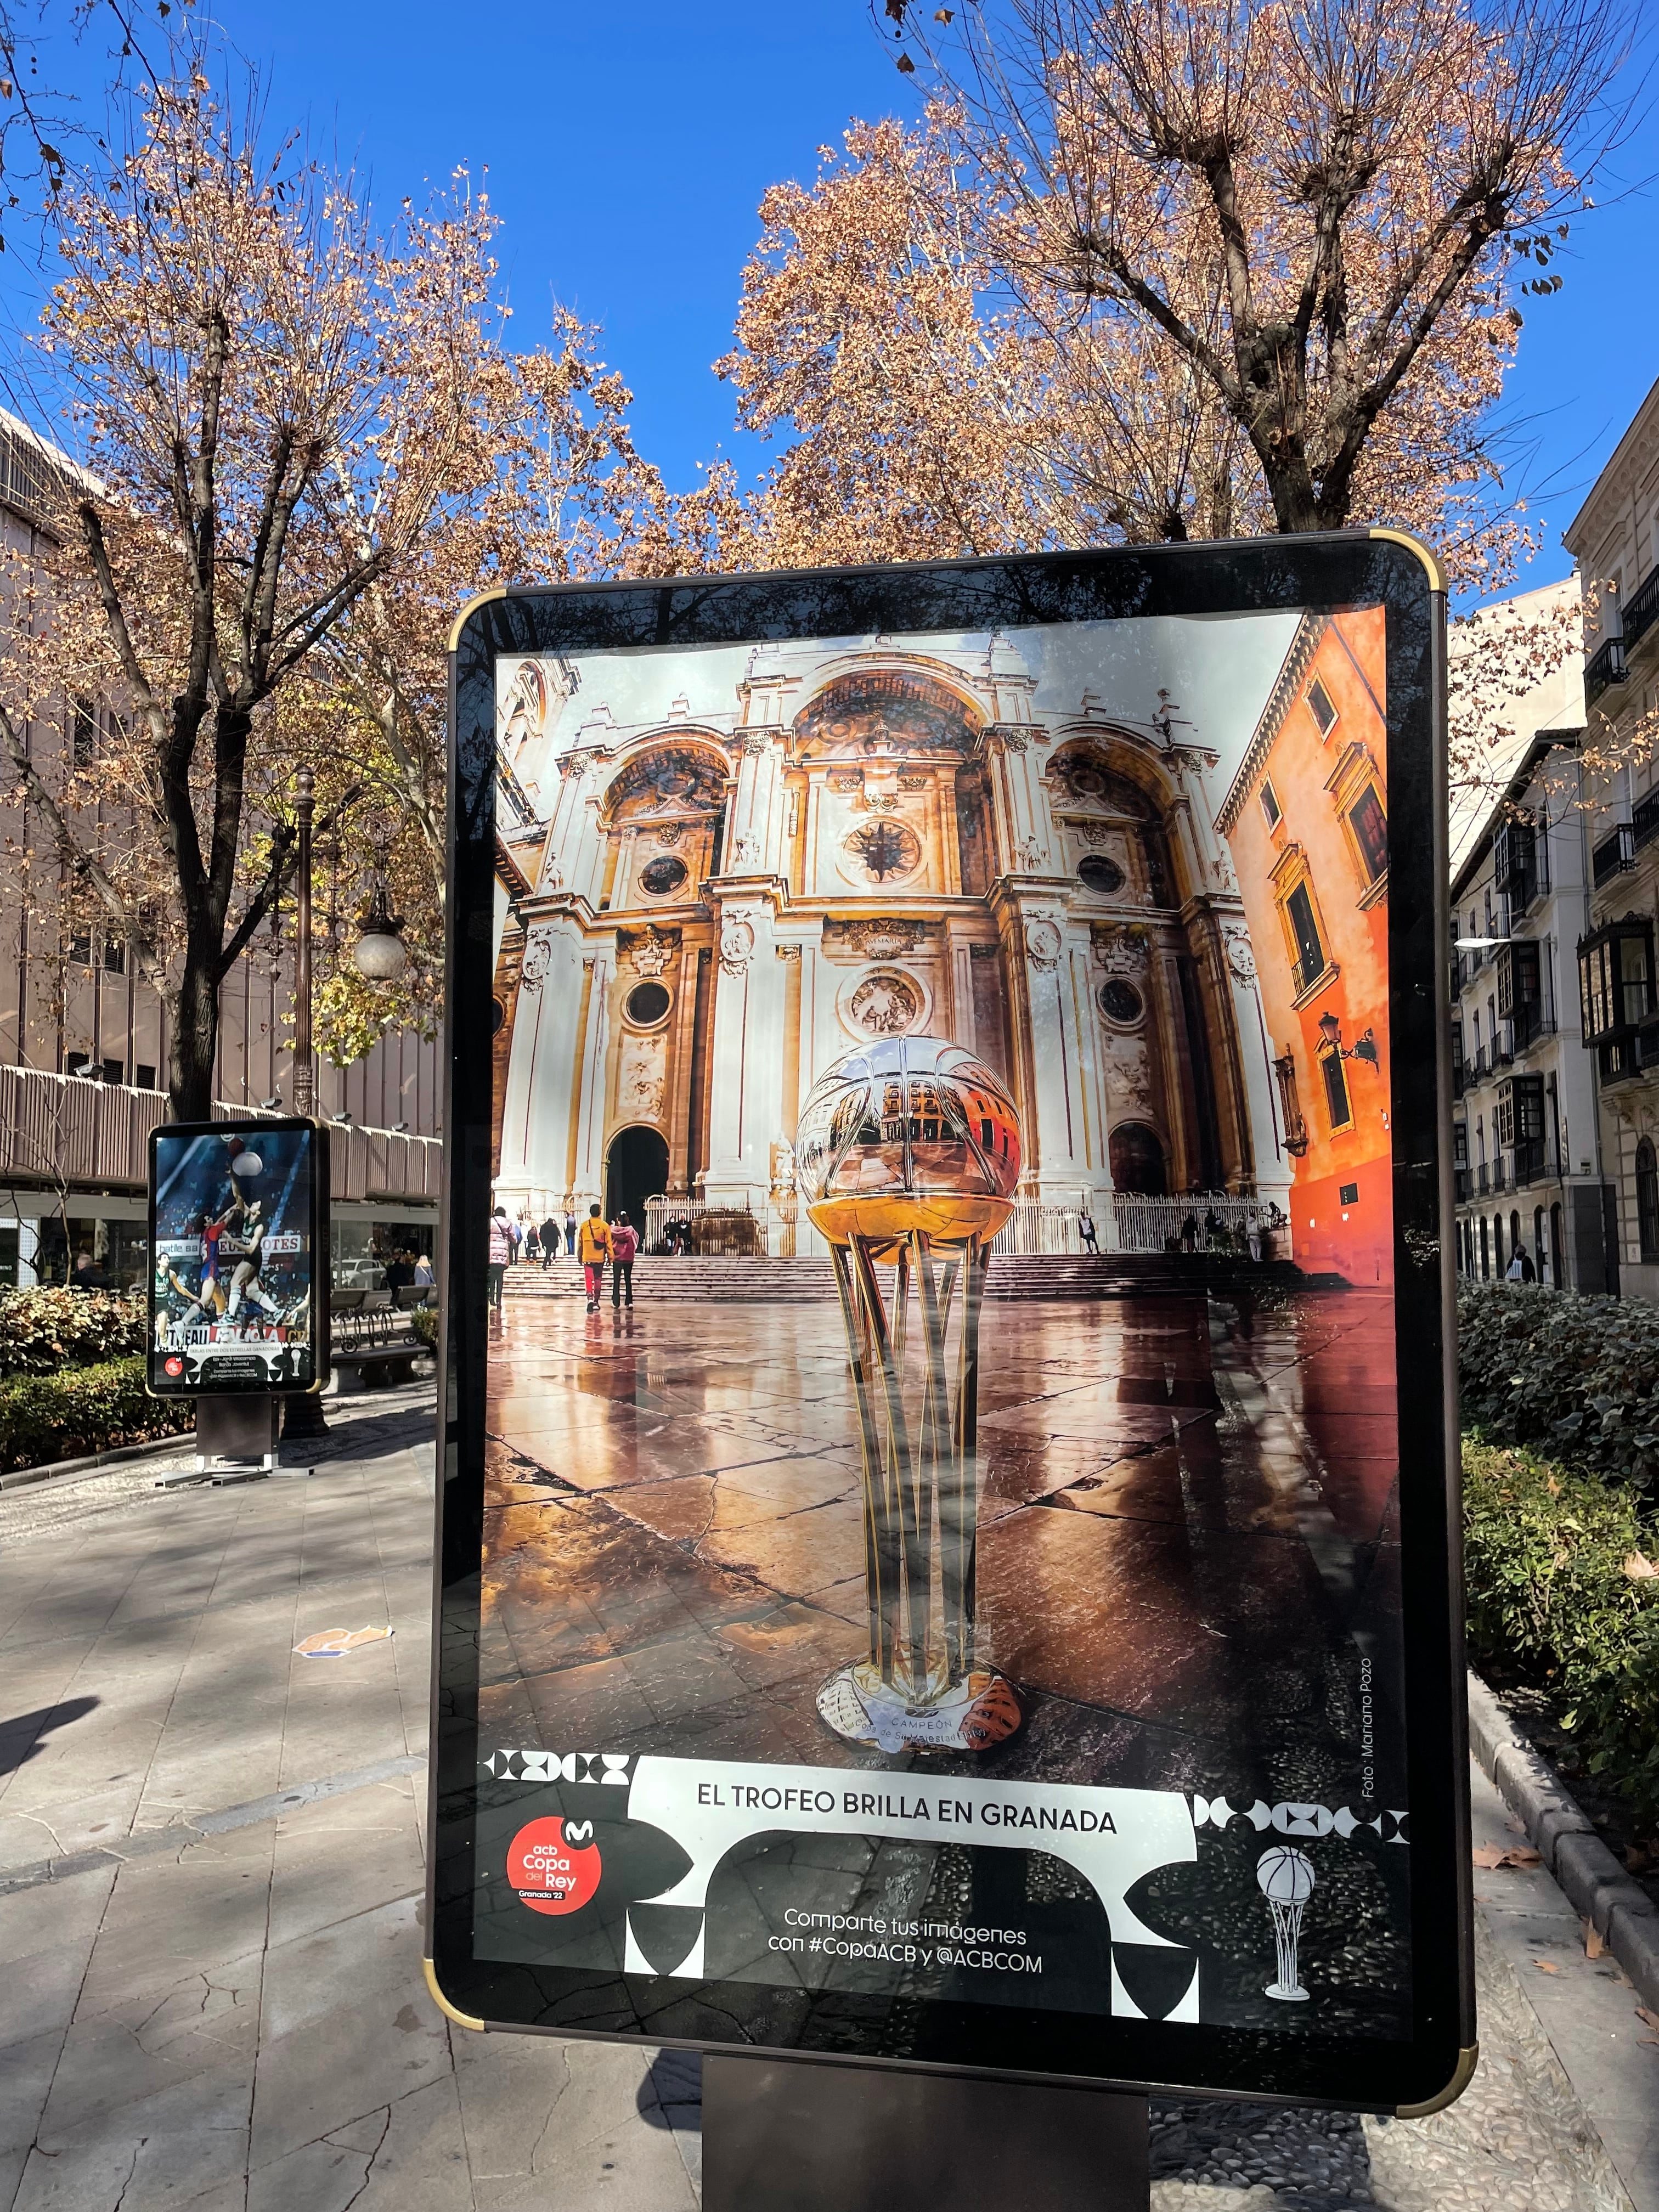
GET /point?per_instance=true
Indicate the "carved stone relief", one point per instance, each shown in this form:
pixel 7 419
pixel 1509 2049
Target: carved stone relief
pixel 537 953
pixel 737 944
pixel 875 937
pixel 1043 941
pixel 642 1078
pixel 885 1004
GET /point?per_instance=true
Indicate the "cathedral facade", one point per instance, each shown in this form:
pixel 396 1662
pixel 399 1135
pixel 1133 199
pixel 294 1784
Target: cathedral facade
pixel 720 873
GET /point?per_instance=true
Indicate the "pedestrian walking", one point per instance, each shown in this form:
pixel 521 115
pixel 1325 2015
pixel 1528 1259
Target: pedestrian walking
pixel 1252 1235
pixel 501 1254
pixel 424 1278
pixel 593 1249
pixel 550 1242
pixel 1085 1230
pixel 624 1248
pixel 533 1245
pixel 1516 1270
pixel 515 1231
pixel 1189 1233
pixel 570 1233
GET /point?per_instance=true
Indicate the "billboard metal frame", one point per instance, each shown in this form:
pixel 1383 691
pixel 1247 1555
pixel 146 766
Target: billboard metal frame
pixel 1333 570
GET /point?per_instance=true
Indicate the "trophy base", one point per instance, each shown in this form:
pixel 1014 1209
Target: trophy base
pixel 971 1715
pixel 1285 1997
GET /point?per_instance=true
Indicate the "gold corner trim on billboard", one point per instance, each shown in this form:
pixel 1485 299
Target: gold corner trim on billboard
pixel 465 2020
pixel 484 599
pixel 1425 554
pixel 1463 2074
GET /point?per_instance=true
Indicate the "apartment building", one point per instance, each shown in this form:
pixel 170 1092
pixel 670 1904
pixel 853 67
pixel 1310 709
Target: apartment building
pixel 1525 1128
pixel 83 1041
pixel 1614 537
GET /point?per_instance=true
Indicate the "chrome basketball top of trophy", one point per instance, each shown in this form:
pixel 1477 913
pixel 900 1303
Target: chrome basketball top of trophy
pixel 910 1134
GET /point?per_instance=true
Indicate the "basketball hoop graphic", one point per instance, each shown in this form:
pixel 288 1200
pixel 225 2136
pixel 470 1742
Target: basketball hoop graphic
pixel 1286 1880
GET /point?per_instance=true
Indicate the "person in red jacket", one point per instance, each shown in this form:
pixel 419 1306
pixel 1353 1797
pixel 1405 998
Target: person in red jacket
pixel 624 1246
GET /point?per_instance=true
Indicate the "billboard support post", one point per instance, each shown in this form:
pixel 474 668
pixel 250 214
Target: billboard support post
pixel 787 2136
pixel 238 1431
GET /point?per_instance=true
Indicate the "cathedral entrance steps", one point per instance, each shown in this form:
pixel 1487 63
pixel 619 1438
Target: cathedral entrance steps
pixel 724 1280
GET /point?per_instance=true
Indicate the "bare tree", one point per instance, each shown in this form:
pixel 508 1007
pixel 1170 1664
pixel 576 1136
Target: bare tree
pixel 1325 207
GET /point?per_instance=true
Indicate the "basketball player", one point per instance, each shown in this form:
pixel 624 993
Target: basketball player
pixel 245 1284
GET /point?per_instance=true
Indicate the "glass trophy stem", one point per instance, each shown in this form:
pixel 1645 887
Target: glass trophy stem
pixel 921 1477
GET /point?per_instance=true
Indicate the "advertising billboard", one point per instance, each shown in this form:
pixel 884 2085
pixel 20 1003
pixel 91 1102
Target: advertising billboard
pixel 945 1600
pixel 238 1246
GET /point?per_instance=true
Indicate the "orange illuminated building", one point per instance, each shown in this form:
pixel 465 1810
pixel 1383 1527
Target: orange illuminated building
pixel 1306 820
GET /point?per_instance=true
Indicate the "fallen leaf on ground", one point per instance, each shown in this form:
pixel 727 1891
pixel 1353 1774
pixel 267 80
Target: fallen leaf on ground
pixel 1651 2018
pixel 335 1643
pixel 1594 1946
pixel 1493 1855
pixel 1546 1966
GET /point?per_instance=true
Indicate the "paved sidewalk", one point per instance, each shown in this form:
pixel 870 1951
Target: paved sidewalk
pixel 211 1870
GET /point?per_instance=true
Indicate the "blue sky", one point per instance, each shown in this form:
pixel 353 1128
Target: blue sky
pixel 628 149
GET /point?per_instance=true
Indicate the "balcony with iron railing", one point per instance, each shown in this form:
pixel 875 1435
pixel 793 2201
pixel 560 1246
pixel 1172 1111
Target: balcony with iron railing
pixel 1498 1181
pixel 1614 854
pixel 1645 821
pixel 1482 1182
pixel 1641 610
pixel 1529 1164
pixel 1305 974
pixel 1605 669
pixel 1461 1184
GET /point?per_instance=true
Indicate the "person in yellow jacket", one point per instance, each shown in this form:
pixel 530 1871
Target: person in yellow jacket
pixel 593 1249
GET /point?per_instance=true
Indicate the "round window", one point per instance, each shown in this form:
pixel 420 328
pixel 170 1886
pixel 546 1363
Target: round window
pixel 663 875
pixel 1096 874
pixel 647 1005
pixel 1120 1001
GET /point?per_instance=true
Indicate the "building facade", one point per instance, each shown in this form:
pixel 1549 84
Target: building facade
pixel 1615 540
pixel 83 1041
pixel 1306 819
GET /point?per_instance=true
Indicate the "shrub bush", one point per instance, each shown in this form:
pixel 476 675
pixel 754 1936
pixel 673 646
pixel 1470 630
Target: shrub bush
pixel 1558 1574
pixel 80 1410
pixel 42 1331
pixel 1578 1378
pixel 423 1320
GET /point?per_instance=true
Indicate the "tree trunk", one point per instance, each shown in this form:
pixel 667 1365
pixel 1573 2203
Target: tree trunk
pixel 194 1047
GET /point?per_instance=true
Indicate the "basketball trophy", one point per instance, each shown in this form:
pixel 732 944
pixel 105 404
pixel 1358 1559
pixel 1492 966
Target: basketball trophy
pixel 908 1153
pixel 1286 1879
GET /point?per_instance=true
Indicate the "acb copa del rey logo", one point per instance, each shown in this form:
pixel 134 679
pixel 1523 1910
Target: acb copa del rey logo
pixel 554 1864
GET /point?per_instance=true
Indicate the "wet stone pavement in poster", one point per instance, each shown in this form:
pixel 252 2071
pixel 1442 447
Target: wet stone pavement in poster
pixel 1187 1564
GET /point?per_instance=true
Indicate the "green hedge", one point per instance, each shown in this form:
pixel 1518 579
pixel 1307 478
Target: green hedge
pixel 81 1410
pixel 1556 1571
pixel 1577 1377
pixel 46 1330
pixel 423 1320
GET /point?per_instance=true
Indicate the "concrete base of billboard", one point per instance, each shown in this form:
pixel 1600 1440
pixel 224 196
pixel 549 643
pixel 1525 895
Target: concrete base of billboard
pixel 237 1433
pixel 790 2136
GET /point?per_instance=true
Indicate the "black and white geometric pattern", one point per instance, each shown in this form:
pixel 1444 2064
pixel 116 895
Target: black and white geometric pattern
pixel 613 1766
pixel 1302 1819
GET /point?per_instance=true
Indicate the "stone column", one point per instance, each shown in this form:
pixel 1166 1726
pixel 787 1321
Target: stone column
pixel 745 1074
pixel 590 1082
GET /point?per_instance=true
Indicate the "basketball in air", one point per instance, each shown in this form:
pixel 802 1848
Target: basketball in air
pixel 248 1164
pixel 1286 1877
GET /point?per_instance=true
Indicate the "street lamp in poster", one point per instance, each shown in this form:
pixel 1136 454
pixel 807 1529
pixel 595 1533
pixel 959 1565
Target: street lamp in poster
pixel 946 1601
pixel 239 1241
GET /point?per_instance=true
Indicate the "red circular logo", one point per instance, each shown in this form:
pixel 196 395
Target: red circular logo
pixel 553 1868
pixel 175 1366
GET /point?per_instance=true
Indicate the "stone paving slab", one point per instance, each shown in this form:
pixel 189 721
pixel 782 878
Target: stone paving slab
pixel 231 2011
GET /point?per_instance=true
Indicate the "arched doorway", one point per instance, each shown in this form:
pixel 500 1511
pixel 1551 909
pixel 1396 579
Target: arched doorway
pixel 635 1168
pixel 1137 1160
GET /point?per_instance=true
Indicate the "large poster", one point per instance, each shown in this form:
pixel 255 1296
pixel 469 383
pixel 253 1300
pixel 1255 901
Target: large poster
pixel 239 1258
pixel 954 1571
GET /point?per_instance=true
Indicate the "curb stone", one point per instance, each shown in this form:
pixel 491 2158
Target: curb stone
pixel 115 1456
pixel 1597 1887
